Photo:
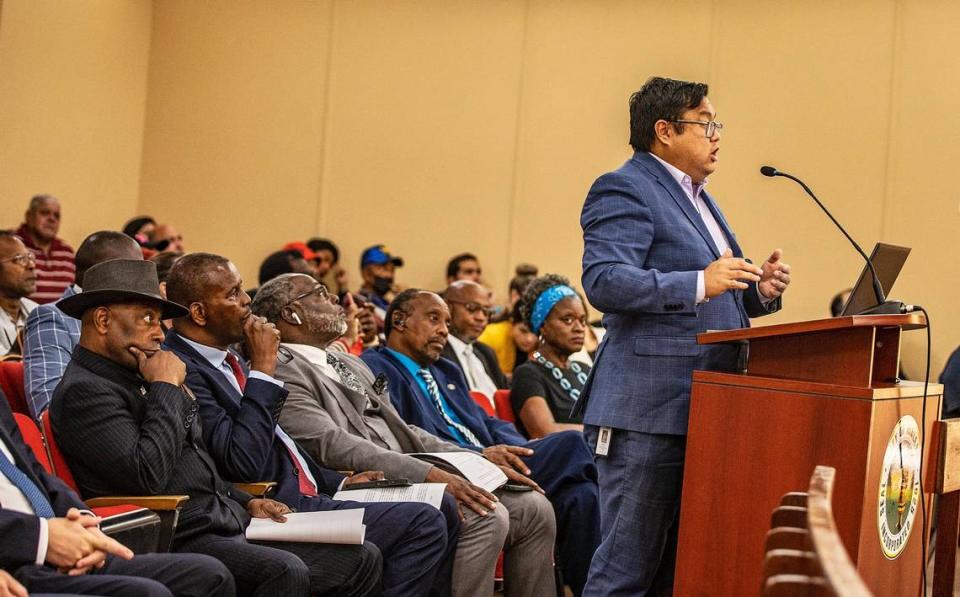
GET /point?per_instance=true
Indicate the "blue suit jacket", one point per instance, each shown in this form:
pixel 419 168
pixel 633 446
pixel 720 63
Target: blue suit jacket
pixel 49 340
pixel 417 409
pixel 21 532
pixel 644 243
pixel 239 431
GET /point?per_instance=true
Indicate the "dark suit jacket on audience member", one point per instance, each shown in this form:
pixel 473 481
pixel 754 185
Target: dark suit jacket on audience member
pixel 489 359
pixel 124 436
pixel 21 532
pixel 239 430
pixel 416 409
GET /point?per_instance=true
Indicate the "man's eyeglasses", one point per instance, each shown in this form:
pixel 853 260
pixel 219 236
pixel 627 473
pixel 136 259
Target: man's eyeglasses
pixel 711 126
pixel 319 290
pixel 21 259
pixel 473 307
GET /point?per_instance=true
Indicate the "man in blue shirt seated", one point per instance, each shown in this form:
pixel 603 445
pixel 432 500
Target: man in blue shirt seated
pixel 431 393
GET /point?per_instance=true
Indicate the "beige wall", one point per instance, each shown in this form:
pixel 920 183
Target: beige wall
pixel 437 127
pixel 73 87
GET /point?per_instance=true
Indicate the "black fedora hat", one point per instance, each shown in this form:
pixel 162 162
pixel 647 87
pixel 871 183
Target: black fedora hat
pixel 120 281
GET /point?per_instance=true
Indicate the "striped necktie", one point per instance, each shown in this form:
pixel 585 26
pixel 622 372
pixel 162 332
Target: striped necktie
pixel 38 501
pixel 434 391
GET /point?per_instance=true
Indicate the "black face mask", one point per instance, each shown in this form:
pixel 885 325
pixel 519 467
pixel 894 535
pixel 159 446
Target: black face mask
pixel 382 285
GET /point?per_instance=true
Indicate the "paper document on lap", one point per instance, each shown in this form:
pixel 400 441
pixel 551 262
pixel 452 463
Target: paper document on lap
pixel 342 527
pixel 425 493
pixel 477 469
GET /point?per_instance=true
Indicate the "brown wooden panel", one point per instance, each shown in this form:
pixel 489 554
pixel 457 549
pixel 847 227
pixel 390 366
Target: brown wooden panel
pixel 904 389
pixel 911 321
pixel 788 538
pixel 949 438
pixel 903 575
pixel 886 356
pixel 746 448
pixel 802 356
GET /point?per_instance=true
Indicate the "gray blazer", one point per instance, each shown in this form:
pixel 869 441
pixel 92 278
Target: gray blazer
pixel 325 418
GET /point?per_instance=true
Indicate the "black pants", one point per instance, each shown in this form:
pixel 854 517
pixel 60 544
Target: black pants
pixel 278 569
pixel 146 575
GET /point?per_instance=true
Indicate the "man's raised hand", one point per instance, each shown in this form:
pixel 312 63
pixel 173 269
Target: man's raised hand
pixel 775 277
pixel 161 366
pixel 729 273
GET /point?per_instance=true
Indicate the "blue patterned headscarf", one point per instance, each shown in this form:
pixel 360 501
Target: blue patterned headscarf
pixel 545 303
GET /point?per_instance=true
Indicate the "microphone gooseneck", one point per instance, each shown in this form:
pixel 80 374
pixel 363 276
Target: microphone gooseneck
pixel 770 171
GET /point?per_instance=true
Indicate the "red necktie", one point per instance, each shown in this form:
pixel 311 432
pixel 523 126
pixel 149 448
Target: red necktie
pixel 306 486
pixel 237 371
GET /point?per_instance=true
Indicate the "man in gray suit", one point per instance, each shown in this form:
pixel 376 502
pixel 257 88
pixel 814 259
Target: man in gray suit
pixel 343 417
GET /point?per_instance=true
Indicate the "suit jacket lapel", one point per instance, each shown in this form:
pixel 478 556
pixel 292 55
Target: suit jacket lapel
pixel 351 403
pixel 722 222
pixel 680 198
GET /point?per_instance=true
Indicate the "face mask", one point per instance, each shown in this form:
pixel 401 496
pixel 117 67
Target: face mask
pixel 382 285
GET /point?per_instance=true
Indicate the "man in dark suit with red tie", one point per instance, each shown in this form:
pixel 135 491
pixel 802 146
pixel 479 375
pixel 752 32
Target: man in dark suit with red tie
pixel 51 543
pixel 239 409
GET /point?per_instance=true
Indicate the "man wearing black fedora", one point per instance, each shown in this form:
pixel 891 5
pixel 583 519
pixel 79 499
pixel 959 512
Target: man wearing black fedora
pixel 128 426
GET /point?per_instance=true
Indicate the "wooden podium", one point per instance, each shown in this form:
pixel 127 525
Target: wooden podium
pixel 818 392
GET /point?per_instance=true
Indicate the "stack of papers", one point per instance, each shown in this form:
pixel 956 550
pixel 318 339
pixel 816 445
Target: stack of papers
pixel 343 527
pixel 474 467
pixel 425 493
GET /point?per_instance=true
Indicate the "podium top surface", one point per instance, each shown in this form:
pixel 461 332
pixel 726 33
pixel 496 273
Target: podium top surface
pixel 910 321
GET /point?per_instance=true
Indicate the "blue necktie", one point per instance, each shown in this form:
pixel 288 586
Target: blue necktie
pixel 435 395
pixel 39 502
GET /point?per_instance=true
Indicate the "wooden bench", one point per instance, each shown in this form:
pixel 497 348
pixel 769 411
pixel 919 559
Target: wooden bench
pixel 804 554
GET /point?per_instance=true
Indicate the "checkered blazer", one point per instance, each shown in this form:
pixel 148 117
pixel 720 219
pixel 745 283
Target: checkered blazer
pixel 50 338
pixel 644 243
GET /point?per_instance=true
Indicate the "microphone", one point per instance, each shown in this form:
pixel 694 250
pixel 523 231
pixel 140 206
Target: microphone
pixel 883 305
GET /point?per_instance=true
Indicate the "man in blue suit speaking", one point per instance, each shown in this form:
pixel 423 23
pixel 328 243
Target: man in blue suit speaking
pixel 662 263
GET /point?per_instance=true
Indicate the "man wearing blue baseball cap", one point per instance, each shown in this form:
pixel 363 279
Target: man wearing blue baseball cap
pixel 377 267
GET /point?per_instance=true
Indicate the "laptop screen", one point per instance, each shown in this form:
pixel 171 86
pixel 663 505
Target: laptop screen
pixel 888 260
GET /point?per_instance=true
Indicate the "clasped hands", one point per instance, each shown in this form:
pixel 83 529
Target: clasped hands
pixel 76 545
pixel 734 273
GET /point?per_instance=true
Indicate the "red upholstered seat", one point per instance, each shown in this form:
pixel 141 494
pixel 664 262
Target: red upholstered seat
pixel 504 407
pixel 31 434
pixel 11 382
pixel 56 456
pixel 484 402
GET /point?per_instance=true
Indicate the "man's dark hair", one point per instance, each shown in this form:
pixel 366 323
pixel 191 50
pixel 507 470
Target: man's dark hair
pixel 131 227
pixel 400 303
pixel 453 266
pixel 322 244
pixel 525 273
pixel 534 290
pixel 837 302
pixel 190 275
pixel 165 263
pixel 99 247
pixel 661 99
pixel 276 263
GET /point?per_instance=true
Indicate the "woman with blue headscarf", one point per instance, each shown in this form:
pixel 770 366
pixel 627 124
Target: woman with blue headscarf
pixel 546 387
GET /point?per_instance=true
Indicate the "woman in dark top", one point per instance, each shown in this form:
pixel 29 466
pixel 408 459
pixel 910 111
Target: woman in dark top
pixel 546 387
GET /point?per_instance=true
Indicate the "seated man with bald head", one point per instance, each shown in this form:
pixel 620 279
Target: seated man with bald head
pixel 51 334
pixel 470 307
pixel 430 392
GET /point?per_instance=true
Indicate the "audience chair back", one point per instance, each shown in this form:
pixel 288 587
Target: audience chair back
pixel 56 456
pixel 34 439
pixel 481 399
pixel 504 408
pixel 11 382
pixel 137 528
pixel 804 553
pixel 947 435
